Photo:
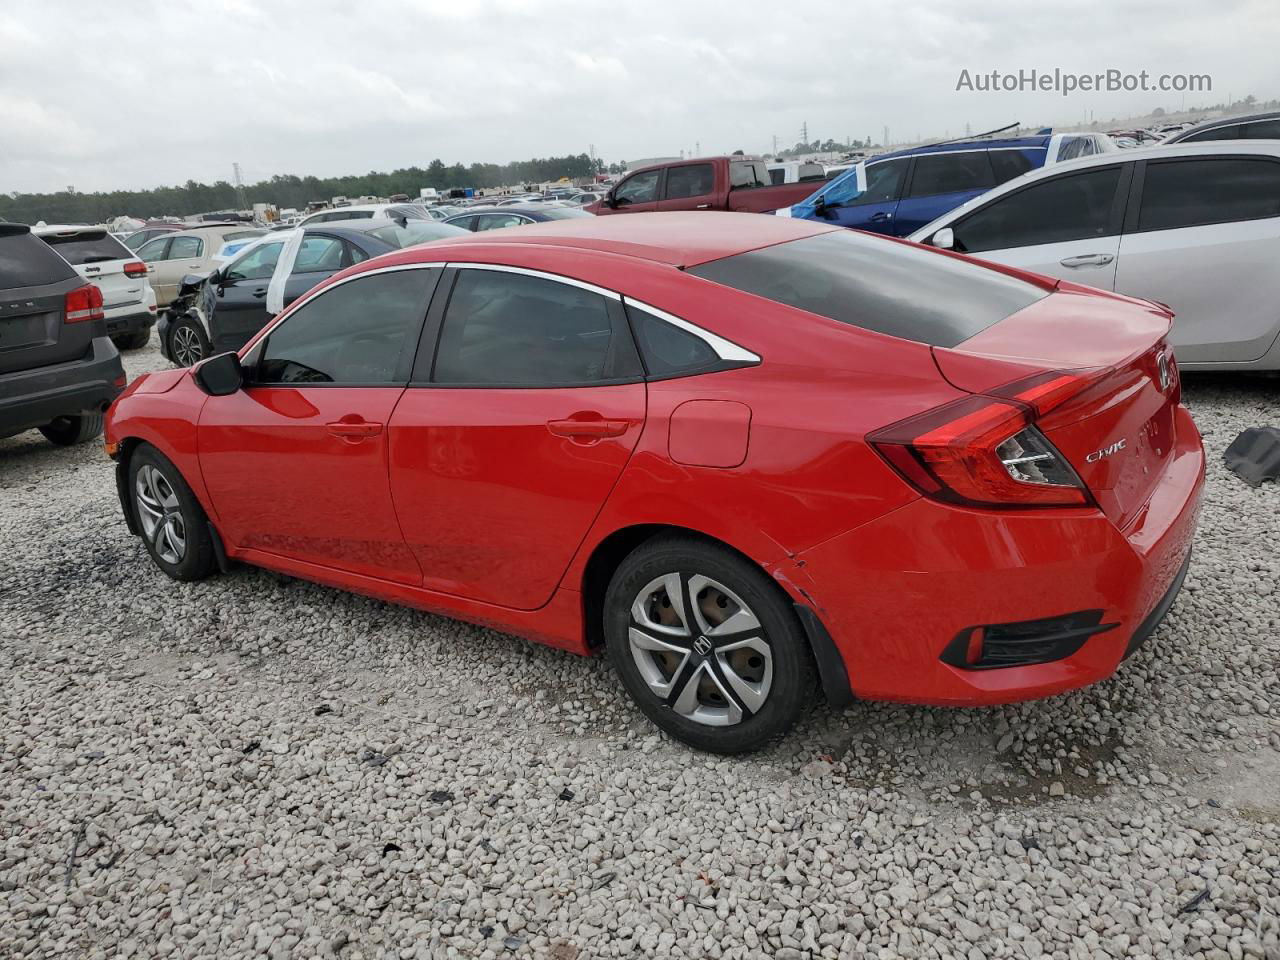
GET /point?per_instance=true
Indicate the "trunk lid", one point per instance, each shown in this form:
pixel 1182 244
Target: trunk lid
pixel 1099 369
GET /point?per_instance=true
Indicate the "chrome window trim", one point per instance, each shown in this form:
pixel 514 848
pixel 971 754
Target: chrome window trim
pixel 539 274
pixel 725 349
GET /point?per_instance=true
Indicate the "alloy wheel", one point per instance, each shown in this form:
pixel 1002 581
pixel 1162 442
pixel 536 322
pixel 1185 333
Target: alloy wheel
pixel 700 649
pixel 160 513
pixel 186 345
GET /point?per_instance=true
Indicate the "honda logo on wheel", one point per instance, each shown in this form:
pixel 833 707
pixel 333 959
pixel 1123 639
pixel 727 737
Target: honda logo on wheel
pixel 702 646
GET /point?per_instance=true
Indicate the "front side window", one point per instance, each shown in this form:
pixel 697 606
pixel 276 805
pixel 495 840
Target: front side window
pixel 258 264
pixel 691 181
pixel 1261 130
pixel 1234 131
pixel 354 333
pixel 153 250
pixel 938 173
pixel 496 221
pixel 1073 207
pixel 777 176
pixel 318 254
pixel 183 248
pixel 522 331
pixel 1190 193
pixel 466 223
pixel 868 183
pixel 642 188
pixel 899 289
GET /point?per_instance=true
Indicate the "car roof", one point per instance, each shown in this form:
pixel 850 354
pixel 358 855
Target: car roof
pixel 1223 122
pixel 216 229
pixel 954 146
pixel 1164 151
pixel 677 239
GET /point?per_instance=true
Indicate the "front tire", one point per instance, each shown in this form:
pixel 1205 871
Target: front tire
pixel 706 645
pixel 173 524
pixel 68 431
pixel 187 343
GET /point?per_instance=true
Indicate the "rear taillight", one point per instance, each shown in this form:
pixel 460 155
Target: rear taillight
pixel 83 303
pixel 135 268
pixel 981 451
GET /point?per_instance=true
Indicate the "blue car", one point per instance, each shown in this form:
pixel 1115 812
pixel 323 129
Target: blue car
pixel 898 193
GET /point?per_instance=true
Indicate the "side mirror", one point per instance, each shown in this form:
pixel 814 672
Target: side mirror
pixel 219 376
pixel 608 200
pixel 944 239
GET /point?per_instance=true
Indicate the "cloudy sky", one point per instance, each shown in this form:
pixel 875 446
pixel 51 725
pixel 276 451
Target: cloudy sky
pixel 105 94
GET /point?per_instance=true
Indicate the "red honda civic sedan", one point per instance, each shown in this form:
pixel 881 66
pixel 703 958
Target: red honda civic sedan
pixel 745 455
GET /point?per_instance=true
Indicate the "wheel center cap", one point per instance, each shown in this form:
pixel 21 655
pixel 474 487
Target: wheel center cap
pixel 702 646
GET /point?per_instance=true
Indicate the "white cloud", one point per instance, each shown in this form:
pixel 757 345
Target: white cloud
pixel 131 93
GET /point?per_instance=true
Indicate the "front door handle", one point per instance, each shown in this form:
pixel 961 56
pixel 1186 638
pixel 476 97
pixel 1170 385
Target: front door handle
pixel 596 428
pixel 881 217
pixel 260 293
pixel 353 431
pixel 1088 260
pixel 703 206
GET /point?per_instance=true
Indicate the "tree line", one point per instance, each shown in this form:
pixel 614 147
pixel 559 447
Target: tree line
pixel 284 190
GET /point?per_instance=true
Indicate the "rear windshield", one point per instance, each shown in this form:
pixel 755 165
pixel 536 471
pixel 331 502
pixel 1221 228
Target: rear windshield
pixel 81 248
pixel 26 261
pixel 563 213
pixel 894 288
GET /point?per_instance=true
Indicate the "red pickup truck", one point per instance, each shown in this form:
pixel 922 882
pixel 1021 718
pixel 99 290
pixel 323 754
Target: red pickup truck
pixel 707 183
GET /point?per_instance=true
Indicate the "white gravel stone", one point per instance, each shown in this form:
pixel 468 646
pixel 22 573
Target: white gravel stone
pixel 169 785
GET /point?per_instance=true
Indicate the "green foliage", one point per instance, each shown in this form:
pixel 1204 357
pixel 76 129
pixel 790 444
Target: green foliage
pixel 284 190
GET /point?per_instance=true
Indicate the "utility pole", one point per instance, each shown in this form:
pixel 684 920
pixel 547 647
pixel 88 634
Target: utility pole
pixel 697 148
pixel 775 144
pixel 240 198
pixel 885 141
pixel 804 134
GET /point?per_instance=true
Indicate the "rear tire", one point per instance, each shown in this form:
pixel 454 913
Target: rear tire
pixel 726 668
pixel 187 343
pixel 173 524
pixel 132 341
pixel 68 431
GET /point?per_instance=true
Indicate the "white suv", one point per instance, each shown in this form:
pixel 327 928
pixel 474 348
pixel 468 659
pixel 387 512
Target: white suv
pixel 127 297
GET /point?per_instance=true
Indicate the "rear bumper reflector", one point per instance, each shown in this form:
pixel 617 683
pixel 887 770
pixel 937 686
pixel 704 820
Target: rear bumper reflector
pixel 1024 643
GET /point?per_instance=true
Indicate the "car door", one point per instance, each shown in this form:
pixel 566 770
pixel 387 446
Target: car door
pixel 939 183
pixel 1064 226
pixel 183 255
pixel 504 451
pixel 690 186
pixel 296 462
pixel 638 193
pixel 867 197
pixel 240 307
pixel 1203 236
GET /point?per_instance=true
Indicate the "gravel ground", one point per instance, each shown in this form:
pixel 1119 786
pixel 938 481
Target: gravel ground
pixel 255 766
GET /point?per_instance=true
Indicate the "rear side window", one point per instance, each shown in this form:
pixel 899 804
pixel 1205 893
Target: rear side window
pixel 466 223
pixel 1190 193
pixel 81 248
pixel 951 173
pixel 893 288
pixel 1261 130
pixel 257 264
pixel 318 255
pixel 181 248
pixel 748 173
pixel 521 331
pixel 1075 207
pixel 668 351
pixel 26 261
pixel 691 181
pixel 1007 164
pixel 354 333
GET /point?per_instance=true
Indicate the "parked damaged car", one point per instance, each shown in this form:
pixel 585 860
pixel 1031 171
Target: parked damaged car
pixel 221 311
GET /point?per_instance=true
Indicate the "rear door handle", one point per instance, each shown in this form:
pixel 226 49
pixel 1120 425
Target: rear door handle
pixel 703 206
pixel 1088 260
pixel 584 429
pixel 354 431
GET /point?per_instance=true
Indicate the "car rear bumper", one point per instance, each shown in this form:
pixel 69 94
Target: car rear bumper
pixel 903 596
pixel 33 398
pixel 129 323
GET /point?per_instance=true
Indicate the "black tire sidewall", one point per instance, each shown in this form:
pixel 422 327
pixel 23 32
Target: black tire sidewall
pixel 198 560
pixel 132 341
pixel 79 429
pixel 793 685
pixel 186 321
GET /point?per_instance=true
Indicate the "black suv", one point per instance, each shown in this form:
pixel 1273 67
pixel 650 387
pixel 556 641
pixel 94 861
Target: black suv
pixel 58 368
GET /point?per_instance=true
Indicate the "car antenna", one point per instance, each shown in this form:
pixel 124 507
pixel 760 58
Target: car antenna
pixel 976 136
